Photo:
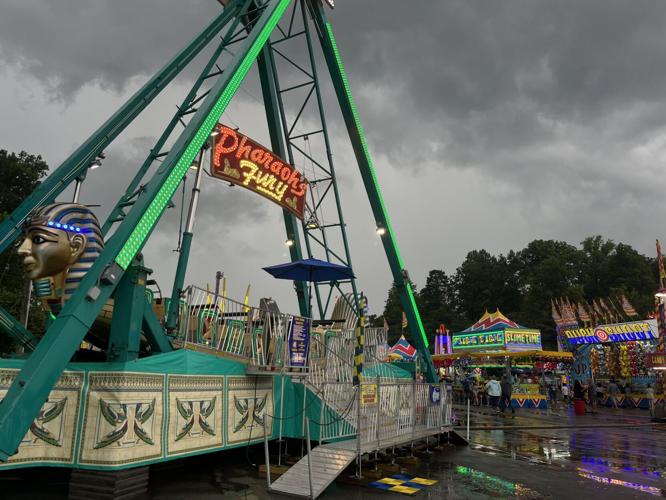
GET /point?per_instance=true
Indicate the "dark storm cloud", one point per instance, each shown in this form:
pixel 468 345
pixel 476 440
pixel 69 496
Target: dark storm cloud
pixel 68 43
pixel 484 76
pixel 515 119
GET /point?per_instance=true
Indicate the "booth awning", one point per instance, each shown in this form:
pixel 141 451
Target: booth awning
pixel 402 350
pixel 545 355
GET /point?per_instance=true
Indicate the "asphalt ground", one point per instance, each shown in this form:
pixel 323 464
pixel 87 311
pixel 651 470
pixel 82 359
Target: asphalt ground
pixel 613 454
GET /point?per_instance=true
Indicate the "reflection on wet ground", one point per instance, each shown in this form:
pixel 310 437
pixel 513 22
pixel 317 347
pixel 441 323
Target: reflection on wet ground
pixel 486 484
pixel 507 458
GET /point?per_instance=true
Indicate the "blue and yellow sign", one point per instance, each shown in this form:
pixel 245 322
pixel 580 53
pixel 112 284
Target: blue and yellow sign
pixel 619 332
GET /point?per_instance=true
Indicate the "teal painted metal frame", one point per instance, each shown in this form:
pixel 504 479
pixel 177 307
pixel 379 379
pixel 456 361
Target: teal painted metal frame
pixel 364 160
pixel 79 161
pixel 37 378
pixel 331 255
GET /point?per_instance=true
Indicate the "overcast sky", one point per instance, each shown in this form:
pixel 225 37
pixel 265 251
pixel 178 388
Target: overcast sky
pixel 491 124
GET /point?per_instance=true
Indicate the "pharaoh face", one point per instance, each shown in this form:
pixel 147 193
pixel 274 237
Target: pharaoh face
pixel 48 251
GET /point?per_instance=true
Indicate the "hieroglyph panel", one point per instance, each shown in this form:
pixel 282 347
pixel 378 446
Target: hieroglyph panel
pixel 196 411
pixel 123 419
pixel 52 435
pixel 250 402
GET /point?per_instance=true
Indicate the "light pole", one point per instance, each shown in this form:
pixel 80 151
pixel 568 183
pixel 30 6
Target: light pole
pixel 96 163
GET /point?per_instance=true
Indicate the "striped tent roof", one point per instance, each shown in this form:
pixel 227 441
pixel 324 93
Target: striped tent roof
pixel 403 349
pixel 492 321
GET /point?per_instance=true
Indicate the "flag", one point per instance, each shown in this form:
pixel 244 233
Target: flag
pixel 660 264
pixel 609 313
pixel 568 314
pixel 553 312
pixel 404 320
pixel 583 314
pixel 209 297
pixel 601 315
pixel 628 308
pixel 246 300
pixel 386 325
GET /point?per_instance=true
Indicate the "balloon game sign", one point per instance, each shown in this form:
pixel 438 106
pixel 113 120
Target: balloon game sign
pixel 620 332
pixel 238 159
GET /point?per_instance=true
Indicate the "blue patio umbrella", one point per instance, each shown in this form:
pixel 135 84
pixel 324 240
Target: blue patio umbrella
pixel 310 270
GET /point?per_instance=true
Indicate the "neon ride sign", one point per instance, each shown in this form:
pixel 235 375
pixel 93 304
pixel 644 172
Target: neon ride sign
pixel 238 159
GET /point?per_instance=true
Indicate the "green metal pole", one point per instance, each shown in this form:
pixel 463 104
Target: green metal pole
pixel 117 214
pixel 79 161
pixel 184 251
pixel 268 89
pixel 364 160
pixel 41 371
pixel 10 326
pixel 329 154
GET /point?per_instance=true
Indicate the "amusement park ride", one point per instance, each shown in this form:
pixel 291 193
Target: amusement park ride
pixel 198 372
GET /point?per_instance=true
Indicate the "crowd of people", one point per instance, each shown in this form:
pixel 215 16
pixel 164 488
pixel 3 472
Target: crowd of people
pixel 496 391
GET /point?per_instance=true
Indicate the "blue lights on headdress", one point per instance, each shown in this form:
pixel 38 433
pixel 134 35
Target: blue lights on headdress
pixel 66 227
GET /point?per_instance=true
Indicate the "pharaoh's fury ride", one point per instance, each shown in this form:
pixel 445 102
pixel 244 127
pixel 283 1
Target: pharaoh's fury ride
pixel 161 378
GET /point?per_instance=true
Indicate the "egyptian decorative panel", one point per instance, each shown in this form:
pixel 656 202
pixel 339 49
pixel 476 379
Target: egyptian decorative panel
pixel 52 435
pixel 123 420
pixel 196 411
pixel 250 399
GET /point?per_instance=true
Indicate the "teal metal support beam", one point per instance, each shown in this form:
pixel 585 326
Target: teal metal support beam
pixel 79 161
pixel 129 304
pixel 10 326
pixel 364 160
pixel 117 213
pixel 42 369
pixel 269 92
pixel 154 332
pixel 178 280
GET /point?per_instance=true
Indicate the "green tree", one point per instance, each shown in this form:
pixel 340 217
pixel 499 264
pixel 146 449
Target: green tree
pixel 436 304
pixel 393 313
pixel 548 269
pixel 19 176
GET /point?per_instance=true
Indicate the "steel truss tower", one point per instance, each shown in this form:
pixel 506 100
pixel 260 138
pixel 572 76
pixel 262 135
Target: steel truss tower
pixel 265 31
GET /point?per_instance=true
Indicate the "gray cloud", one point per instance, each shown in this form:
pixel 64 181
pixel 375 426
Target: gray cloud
pixel 490 123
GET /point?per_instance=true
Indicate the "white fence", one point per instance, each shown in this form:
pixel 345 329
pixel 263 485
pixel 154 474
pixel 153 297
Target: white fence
pixel 210 321
pixel 390 413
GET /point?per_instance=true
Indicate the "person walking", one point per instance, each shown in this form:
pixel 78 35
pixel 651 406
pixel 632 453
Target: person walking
pixel 476 388
pixel 599 393
pixel 565 395
pixel 506 390
pixel 613 392
pixel 552 395
pixel 494 391
pixel 649 394
pixel 467 389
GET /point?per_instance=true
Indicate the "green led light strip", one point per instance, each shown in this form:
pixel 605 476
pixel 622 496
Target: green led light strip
pixel 366 152
pixel 157 206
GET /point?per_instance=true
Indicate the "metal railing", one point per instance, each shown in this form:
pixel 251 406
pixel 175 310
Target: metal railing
pixel 390 412
pixel 259 336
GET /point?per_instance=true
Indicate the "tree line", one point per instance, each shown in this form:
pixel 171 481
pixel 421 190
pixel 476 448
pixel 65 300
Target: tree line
pixel 523 283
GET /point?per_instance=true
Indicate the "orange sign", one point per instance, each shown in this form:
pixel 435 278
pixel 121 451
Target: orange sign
pixel 656 360
pixel 238 159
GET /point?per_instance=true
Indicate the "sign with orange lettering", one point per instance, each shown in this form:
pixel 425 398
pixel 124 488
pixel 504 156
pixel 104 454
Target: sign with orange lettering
pixel 238 159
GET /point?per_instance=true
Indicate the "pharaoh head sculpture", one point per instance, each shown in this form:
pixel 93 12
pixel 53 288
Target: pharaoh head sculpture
pixel 61 242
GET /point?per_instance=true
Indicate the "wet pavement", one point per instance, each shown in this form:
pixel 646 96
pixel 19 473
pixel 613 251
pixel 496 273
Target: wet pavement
pixel 614 454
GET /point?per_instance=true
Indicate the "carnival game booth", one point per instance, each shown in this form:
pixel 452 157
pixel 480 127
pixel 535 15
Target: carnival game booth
pixel 496 341
pixel 620 352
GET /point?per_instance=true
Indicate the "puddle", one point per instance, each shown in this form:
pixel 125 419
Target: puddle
pixel 487 485
pixel 652 490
